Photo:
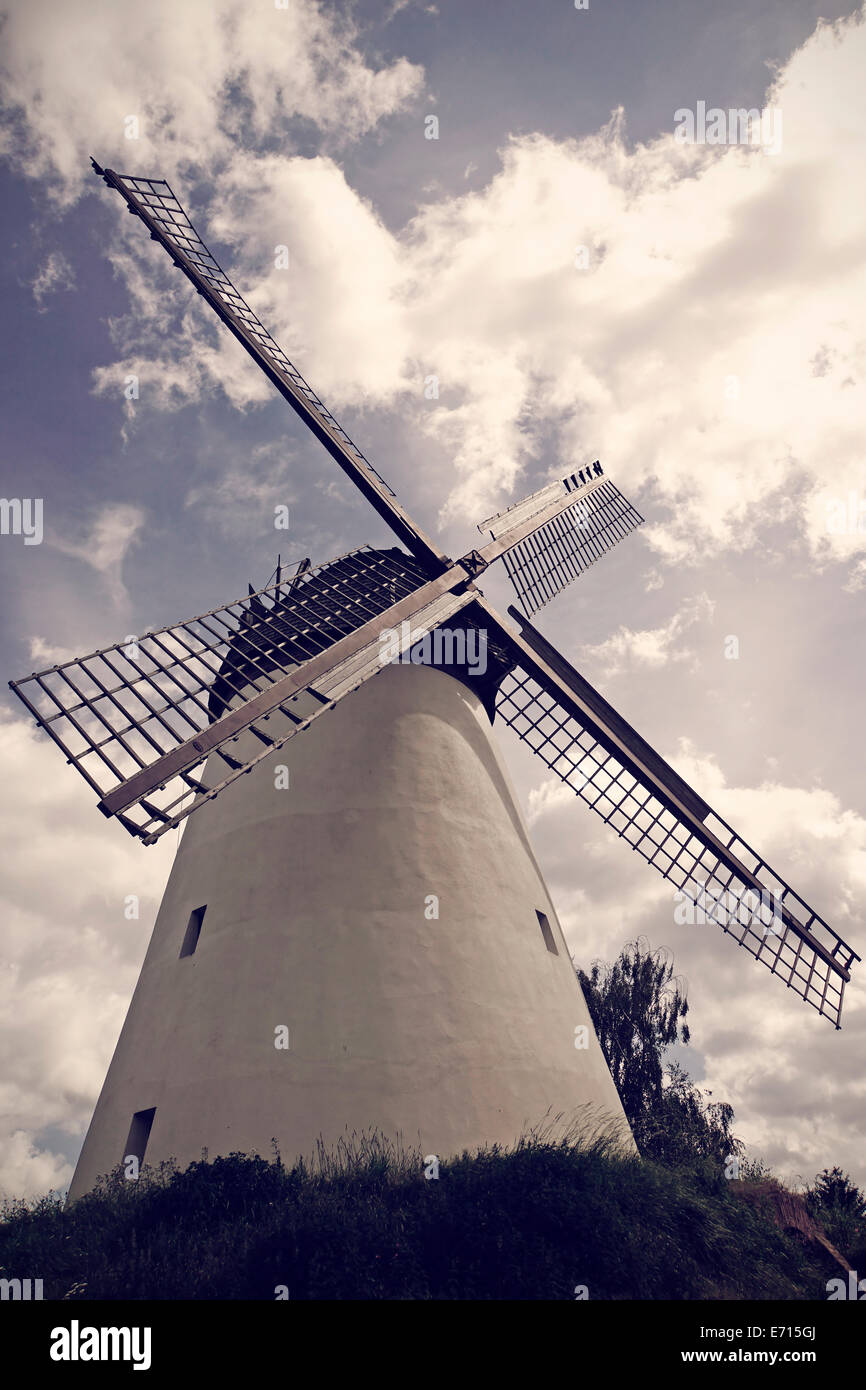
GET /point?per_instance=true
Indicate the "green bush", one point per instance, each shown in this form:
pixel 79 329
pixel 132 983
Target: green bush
pixel 533 1222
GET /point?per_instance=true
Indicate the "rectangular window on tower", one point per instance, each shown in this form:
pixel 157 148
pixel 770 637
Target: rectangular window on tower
pixel 139 1133
pixel 193 927
pixel 546 932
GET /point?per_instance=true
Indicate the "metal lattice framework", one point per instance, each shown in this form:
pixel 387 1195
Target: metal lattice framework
pixel 701 855
pixel 157 198
pixel 118 711
pixel 561 550
pixel 153 201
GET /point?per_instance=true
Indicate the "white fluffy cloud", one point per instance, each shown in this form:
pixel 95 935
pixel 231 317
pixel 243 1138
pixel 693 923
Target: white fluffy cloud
pixel 70 952
pixel 710 348
pixel 199 79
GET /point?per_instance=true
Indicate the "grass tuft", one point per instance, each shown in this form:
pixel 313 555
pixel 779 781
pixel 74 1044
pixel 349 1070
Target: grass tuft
pixel 361 1221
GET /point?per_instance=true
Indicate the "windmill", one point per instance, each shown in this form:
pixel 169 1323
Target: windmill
pixel 356 931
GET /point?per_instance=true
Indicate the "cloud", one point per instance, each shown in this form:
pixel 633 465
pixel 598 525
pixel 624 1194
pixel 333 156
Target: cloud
pixel 166 383
pixel 627 650
pixel 43 653
pixel 857 577
pixel 104 548
pixel 26 1170
pixel 247 493
pixel 56 274
pixel 66 940
pixel 190 83
pixel 683 353
pixel 549 796
pixel 807 830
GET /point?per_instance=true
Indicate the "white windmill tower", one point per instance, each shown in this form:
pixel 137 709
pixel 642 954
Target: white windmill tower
pixel 355 932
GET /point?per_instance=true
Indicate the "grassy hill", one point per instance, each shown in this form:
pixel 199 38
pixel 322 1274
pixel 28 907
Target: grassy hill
pixel 538 1221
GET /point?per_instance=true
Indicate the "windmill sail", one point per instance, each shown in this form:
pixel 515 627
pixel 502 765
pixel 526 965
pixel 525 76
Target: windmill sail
pixel 577 521
pixel 609 766
pixel 139 723
pixel 228 688
pixel 161 212
pixel 138 719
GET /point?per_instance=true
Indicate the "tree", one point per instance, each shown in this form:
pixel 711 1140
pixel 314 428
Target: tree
pixel 683 1125
pixel 835 1190
pixel 639 1009
pixel 837 1202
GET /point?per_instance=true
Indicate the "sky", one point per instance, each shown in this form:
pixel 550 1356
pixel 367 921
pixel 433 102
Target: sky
pixel 583 283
